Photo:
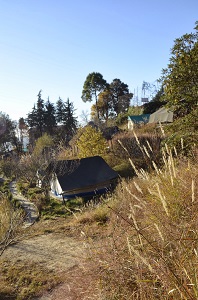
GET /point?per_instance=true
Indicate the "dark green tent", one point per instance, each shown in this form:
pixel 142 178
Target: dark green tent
pixel 82 177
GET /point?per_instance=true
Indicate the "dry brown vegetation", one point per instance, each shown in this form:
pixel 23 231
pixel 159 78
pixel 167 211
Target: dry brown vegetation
pixel 149 249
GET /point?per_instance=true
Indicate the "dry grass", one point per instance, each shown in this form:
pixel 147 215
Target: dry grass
pixel 17 281
pixel 149 247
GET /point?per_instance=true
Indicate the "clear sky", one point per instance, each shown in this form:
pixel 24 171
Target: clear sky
pixel 52 45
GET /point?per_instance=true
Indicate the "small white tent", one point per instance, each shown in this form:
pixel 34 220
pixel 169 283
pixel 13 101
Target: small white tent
pixel 162 115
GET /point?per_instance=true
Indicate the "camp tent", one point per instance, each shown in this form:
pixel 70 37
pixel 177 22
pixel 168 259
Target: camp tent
pixel 162 115
pixel 137 119
pixel 82 177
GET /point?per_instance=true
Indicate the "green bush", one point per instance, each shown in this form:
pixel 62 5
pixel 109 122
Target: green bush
pixel 183 133
pixel 124 170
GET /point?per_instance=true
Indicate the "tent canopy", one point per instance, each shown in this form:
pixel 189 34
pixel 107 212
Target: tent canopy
pixel 82 173
pixel 162 115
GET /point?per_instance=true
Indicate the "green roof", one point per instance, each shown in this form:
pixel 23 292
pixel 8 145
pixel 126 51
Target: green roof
pixel 139 119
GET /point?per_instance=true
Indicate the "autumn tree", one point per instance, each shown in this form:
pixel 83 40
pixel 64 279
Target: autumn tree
pixel 93 85
pixel 180 78
pixel 105 109
pixel 91 142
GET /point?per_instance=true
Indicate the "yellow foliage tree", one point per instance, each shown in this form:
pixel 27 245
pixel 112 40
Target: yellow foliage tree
pixel 43 142
pixel 91 143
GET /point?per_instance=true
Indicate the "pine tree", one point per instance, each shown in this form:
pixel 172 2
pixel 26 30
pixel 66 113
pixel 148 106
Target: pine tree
pixel 50 117
pixel 60 111
pixel 35 119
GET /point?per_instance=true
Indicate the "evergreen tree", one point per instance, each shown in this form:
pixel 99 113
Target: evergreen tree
pixel 66 120
pixel 69 121
pixel 60 111
pixel 35 119
pixel 31 119
pixel 50 117
pixel 40 114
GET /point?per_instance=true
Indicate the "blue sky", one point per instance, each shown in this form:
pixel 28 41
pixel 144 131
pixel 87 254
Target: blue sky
pixel 52 45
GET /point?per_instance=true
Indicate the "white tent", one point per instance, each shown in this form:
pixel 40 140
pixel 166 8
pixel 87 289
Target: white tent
pixel 162 115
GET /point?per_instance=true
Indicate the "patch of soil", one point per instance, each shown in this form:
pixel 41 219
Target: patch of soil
pixel 53 250
pixel 61 252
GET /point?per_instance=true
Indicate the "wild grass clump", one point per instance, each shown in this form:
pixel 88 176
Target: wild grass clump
pixel 150 250
pixel 142 148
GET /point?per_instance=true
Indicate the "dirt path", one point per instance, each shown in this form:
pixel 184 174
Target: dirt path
pixel 58 252
pixel 31 210
pixel 53 251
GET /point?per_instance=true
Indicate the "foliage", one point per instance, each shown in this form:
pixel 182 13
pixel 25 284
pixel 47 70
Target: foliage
pixel 43 143
pixel 93 85
pixel 155 103
pixel 50 117
pixel 69 121
pixel 45 117
pixel 123 116
pixel 182 135
pixel 36 119
pixel 135 110
pixel 9 167
pixel 7 133
pixel 27 168
pixel 114 100
pixel 120 96
pixel 91 142
pixel 124 169
pixel 180 77
pixel 104 106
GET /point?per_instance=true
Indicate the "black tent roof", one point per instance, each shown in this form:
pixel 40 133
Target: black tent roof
pixel 82 173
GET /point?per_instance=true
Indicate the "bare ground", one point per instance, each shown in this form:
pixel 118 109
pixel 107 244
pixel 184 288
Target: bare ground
pixel 62 252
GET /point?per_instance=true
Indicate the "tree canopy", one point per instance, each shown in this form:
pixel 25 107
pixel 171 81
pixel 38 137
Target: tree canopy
pixel 112 100
pixel 120 96
pixel 7 132
pixel 52 119
pixel 180 78
pixel 93 85
pixel 91 142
